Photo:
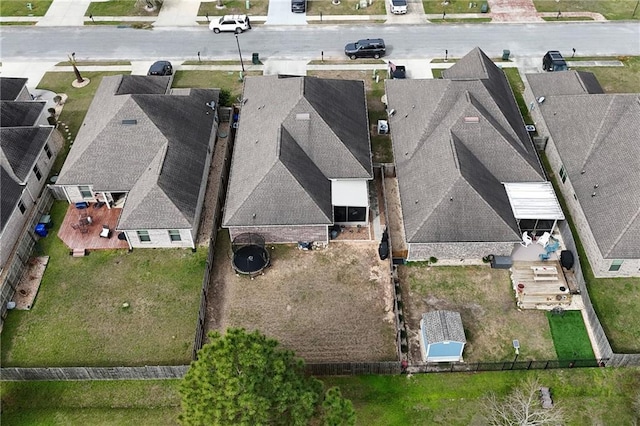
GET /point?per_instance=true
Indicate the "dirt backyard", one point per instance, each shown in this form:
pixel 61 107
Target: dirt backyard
pixel 328 305
pixel 486 302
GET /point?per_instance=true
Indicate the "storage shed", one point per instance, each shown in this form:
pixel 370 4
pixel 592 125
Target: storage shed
pixel 442 336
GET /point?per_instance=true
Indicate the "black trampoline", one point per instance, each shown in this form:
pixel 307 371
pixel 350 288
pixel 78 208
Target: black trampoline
pixel 249 255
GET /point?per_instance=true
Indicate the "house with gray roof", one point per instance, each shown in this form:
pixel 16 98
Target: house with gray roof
pixel 592 147
pixel 442 336
pixel 301 159
pixel 146 149
pixel 457 142
pixel 28 148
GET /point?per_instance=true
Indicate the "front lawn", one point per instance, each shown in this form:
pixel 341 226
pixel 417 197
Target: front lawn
pixel 570 336
pixel 617 79
pixel 454 6
pixel 19 8
pixel 611 9
pixel 78 318
pixel 118 8
pixel 234 7
pixel 346 7
pixel 228 80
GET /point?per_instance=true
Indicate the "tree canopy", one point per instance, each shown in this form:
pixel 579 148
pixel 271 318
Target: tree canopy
pixel 244 378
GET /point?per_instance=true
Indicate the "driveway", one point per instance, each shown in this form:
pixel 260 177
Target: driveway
pixel 280 14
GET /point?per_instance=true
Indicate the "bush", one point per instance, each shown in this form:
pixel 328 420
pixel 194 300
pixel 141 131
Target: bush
pixel 225 98
pixel 433 259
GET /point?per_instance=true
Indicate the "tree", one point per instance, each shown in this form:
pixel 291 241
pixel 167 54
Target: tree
pixel 522 407
pixel 243 378
pixel 337 410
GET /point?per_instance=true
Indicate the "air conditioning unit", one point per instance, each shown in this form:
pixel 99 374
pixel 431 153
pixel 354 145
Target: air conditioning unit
pixel 383 127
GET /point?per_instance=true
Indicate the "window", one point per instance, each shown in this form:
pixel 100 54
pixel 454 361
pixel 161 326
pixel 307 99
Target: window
pixel 36 170
pixel 174 235
pixel 85 191
pixel 144 237
pixel 357 214
pixel 615 265
pixel 339 214
pixel 563 174
pixel 48 150
pixel 21 207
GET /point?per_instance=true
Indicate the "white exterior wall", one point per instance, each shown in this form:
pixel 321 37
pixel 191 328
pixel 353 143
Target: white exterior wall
pixel 351 193
pixel 160 239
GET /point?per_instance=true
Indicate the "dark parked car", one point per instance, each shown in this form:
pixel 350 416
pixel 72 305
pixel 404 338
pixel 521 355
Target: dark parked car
pixel 298 6
pixel 553 61
pixel 366 48
pixel 161 68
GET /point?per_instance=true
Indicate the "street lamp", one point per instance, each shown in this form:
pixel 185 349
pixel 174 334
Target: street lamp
pixel 240 54
pixel 516 346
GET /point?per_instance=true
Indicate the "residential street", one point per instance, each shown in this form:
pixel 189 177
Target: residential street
pixel 35 43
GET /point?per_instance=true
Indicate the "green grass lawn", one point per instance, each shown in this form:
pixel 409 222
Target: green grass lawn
pixel 118 8
pixel 570 336
pixel 78 317
pixel 346 7
pixel 611 9
pixel 228 80
pixel 234 7
pixel 590 395
pixel 19 7
pixel 152 402
pixel 517 86
pixel 454 6
pixel 77 104
pixel 618 79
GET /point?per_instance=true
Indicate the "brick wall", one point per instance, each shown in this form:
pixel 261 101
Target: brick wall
pixel 458 253
pixel 284 234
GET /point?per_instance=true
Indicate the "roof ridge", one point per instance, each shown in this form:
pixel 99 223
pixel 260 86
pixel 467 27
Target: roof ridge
pixel 623 232
pixel 598 137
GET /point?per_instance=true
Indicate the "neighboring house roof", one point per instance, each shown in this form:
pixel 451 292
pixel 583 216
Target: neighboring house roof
pixel 564 83
pixel 296 134
pixel 21 147
pixel 17 114
pixel 152 145
pixel 443 326
pixel 596 136
pixel 10 87
pixel 11 193
pixel 455 140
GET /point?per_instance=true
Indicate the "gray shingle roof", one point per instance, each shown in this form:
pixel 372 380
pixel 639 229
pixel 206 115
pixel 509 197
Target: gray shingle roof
pixel 597 139
pixel 459 138
pixel 443 326
pixel 295 134
pixel 16 114
pixel 563 83
pixel 21 147
pixel 10 87
pixel 152 145
pixel 11 193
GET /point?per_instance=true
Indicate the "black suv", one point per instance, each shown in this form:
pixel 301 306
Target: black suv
pixel 298 6
pixel 367 48
pixel 553 61
pixel 161 68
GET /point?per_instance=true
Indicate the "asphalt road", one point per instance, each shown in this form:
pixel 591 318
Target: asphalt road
pixel 20 43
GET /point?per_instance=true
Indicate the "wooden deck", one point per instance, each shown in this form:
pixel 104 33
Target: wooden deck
pixel 89 238
pixel 540 285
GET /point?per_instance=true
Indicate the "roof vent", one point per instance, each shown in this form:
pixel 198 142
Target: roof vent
pixel 583 172
pixel 472 119
pixel 129 122
pixel 593 195
pixel 302 117
pixel 391 112
pixel 541 99
pixel 595 186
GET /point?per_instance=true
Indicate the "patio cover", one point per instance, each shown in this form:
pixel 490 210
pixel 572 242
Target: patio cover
pixel 533 200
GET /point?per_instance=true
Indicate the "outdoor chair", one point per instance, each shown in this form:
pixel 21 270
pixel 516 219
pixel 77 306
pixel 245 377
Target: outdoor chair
pixel 526 239
pixel 105 232
pixel 544 239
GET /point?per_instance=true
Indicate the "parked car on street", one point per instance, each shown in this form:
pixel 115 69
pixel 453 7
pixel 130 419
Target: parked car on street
pixel 366 48
pixel 161 68
pixel 553 61
pixel 233 23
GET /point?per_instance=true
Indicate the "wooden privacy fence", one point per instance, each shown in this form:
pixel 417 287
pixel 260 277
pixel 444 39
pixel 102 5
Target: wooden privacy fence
pixel 94 373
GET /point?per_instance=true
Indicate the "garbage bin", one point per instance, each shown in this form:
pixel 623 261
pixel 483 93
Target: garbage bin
pixel 41 230
pixel 255 59
pixel 484 8
pixel 505 55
